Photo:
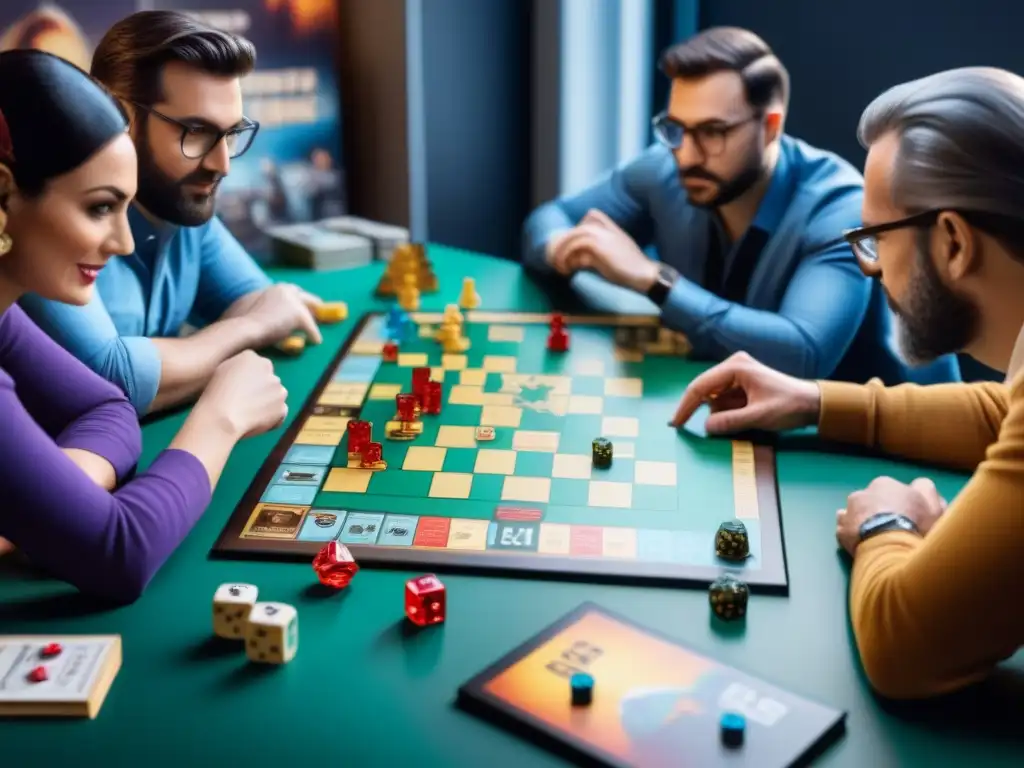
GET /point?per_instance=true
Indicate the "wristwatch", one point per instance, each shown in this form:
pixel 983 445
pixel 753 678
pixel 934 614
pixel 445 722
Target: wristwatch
pixel 886 521
pixel 667 277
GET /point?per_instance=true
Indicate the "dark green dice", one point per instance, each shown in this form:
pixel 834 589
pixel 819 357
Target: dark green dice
pixel 732 541
pixel 602 452
pixel 728 598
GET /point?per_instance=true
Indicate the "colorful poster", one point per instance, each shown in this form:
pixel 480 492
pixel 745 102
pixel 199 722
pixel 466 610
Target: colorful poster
pixel 293 172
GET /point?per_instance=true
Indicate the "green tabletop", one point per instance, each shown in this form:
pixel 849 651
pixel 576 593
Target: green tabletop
pixel 363 691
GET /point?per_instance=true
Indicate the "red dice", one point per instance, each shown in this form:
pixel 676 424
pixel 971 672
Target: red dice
pixel 425 600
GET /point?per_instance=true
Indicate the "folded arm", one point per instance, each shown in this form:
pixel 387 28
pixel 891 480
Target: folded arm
pixel 949 425
pixel 934 615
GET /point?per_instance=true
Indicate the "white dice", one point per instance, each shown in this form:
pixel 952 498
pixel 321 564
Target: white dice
pixel 231 606
pixel 272 633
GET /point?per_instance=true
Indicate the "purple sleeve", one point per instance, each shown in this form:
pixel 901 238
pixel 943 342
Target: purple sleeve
pixel 73 405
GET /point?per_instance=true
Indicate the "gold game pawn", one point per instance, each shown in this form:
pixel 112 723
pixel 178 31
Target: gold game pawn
pixel 409 294
pixel 469 299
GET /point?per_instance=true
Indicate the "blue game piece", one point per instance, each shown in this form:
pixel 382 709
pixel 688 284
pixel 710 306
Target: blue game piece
pixel 582 686
pixel 733 727
pixel 398 323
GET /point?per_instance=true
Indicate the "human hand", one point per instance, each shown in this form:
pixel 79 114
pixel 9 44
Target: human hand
pixel 745 394
pixel 599 243
pixel 246 395
pixel 277 312
pixel 920 502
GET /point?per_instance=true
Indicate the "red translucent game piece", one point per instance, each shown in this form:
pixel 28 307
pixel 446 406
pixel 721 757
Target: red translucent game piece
pixel 358 435
pixel 406 405
pixel 51 649
pixel 334 565
pixel 389 352
pixel 432 398
pixel 558 340
pixel 425 600
pixel 372 453
pixel 557 320
pixel 420 377
pixel 38 674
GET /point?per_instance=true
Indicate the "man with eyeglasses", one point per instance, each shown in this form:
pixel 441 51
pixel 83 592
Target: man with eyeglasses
pixel 180 82
pixel 745 220
pixel 931 595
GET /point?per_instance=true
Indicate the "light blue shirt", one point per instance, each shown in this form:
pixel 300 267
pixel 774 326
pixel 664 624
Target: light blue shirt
pixel 806 308
pixel 176 275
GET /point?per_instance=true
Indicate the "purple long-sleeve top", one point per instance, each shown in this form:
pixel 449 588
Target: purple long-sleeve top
pixel 105 543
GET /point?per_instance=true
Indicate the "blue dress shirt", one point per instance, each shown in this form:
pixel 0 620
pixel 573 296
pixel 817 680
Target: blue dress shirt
pixel 789 291
pixel 176 275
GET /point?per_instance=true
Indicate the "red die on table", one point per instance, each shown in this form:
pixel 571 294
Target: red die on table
pixel 334 565
pixel 425 600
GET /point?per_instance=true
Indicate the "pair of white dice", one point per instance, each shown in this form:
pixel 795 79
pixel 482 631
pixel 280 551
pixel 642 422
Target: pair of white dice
pixel 270 630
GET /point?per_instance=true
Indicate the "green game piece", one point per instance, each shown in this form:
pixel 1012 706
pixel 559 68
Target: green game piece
pixel 602 452
pixel 732 541
pixel 728 597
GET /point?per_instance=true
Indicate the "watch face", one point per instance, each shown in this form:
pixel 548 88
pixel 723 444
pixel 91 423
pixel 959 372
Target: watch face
pixel 879 520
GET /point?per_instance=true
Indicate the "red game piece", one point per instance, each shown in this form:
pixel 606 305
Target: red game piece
pixel 425 600
pixel 51 649
pixel 558 340
pixel 389 353
pixel 557 321
pixel 334 565
pixel 38 674
pixel 432 398
pixel 406 405
pixel 358 435
pixel 373 453
pixel 420 377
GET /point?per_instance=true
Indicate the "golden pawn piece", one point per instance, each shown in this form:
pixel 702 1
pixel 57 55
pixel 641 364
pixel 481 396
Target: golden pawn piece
pixel 409 294
pixel 469 299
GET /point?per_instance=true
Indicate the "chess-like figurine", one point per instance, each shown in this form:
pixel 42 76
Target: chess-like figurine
pixel 408 293
pixel 469 299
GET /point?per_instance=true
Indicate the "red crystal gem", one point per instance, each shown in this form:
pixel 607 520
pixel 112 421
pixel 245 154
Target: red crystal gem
pixel 52 649
pixel 38 674
pixel 334 565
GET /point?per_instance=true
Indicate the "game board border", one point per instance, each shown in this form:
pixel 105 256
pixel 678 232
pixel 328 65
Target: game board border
pixel 771 578
pixel 472 696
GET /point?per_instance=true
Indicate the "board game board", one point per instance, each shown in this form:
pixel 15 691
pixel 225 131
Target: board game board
pixel 655 702
pixel 528 501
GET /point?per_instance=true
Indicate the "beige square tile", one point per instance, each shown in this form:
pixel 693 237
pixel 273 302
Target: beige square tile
pixel 424 458
pixel 425 318
pixel 572 466
pixel 620 426
pixel 327 423
pixel 474 377
pixel 553 539
pixel 499 363
pixel 542 442
pixel 427 331
pixel 494 461
pixel 654 473
pixel 468 534
pixel 453 362
pixel 412 359
pixel 366 348
pixel 624 450
pixel 498 398
pixel 604 493
pixel 589 367
pixel 619 542
pixel 345 480
pixel 462 394
pixel 586 404
pixel 450 485
pixel 500 416
pixel 319 437
pixel 505 333
pixel 535 489
pixel 437 374
pixel 624 387
pixel 385 391
pixel 455 437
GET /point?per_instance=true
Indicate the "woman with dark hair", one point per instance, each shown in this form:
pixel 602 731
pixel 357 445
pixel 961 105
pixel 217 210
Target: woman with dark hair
pixel 70 440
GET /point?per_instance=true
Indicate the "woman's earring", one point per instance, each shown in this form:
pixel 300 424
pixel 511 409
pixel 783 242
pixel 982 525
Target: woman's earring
pixel 6 243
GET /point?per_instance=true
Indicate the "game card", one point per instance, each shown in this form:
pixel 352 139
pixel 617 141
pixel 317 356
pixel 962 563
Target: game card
pixel 655 704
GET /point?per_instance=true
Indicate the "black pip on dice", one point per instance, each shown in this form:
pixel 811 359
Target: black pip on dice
pixel 728 597
pixel 602 452
pixel 732 541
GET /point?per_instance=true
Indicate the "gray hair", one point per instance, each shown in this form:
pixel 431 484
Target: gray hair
pixel 961 145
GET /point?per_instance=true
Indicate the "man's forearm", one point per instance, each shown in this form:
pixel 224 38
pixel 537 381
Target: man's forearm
pixel 187 364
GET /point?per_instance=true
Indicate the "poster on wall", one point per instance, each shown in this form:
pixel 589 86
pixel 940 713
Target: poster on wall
pixel 293 172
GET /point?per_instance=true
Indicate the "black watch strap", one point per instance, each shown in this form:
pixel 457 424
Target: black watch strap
pixel 886 521
pixel 667 276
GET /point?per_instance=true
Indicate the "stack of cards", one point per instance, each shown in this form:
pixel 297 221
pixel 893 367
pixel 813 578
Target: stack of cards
pixel 385 237
pixel 313 246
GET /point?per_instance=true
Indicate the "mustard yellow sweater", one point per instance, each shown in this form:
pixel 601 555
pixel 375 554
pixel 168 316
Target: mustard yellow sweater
pixel 934 614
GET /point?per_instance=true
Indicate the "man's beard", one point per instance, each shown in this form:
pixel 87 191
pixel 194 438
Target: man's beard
pixel 167 198
pixel 728 189
pixel 933 320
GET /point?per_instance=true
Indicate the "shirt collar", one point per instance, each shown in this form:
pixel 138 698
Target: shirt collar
pixel 779 194
pixel 145 229
pixel 1016 359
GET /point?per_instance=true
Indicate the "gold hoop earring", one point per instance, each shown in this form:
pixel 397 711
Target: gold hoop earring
pixel 6 243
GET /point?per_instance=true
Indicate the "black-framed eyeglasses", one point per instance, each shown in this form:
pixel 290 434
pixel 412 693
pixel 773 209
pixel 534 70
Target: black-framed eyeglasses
pixel 197 141
pixel 710 138
pixel 864 240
